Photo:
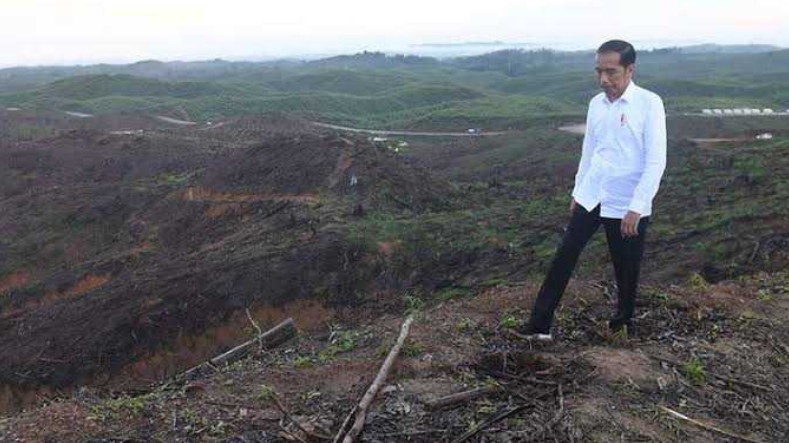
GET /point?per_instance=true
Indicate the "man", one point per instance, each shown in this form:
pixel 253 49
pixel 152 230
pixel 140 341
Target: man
pixel 622 161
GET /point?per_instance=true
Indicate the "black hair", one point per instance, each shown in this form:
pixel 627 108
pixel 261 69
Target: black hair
pixel 626 51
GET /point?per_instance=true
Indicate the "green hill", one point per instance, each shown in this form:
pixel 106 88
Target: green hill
pixel 371 89
pixel 355 82
pixel 95 86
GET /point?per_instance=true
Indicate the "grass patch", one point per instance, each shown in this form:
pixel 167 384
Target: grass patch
pixel 694 371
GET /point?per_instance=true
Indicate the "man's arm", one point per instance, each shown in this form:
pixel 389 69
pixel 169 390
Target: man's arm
pixel 655 163
pixel 587 150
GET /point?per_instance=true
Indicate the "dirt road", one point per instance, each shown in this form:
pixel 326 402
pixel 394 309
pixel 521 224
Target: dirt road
pixel 79 114
pixel 577 128
pixel 425 134
pixel 174 120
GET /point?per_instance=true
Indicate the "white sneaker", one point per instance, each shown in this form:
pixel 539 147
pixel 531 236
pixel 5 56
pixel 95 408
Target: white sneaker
pixel 534 336
pixel 539 337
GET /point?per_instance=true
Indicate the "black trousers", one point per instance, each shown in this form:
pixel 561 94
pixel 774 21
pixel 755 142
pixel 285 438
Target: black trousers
pixel 626 254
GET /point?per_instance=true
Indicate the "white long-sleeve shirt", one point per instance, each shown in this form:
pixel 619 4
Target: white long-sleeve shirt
pixel 624 153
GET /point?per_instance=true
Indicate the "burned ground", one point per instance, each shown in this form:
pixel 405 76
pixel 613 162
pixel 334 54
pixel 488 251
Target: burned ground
pixel 716 354
pixel 122 244
pixel 135 253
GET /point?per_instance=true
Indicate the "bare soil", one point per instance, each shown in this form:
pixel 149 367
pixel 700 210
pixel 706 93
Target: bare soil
pixel 132 256
pixel 586 386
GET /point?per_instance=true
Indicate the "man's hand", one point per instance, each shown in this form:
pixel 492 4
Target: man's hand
pixel 630 224
pixel 572 205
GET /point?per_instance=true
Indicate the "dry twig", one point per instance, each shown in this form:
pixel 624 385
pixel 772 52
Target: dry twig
pixel 460 397
pixel 708 427
pixel 369 396
pixel 492 421
pixel 286 413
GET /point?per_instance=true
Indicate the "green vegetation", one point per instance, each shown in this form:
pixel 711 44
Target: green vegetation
pixel 411 349
pixel 123 408
pixel 266 393
pixel 698 282
pixel 340 342
pixel 303 362
pixel 694 371
pixel 454 292
pixel 413 304
pixel 497 90
pixel 509 322
pixel 465 325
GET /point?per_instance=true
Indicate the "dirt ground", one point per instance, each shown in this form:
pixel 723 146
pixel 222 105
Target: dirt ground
pixel 136 253
pixel 715 354
pixel 134 250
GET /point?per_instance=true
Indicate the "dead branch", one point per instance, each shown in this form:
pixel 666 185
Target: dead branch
pixel 286 433
pixel 522 378
pixel 270 339
pixel 718 376
pixel 460 397
pixel 273 337
pixel 492 421
pixel 554 421
pixel 708 427
pixel 414 433
pixel 369 396
pixel 286 413
pixel 755 252
pixel 345 424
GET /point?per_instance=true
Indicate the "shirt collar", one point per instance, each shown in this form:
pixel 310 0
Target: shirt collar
pixel 627 96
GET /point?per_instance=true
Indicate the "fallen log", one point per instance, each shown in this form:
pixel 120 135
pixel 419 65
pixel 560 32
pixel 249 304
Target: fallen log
pixel 270 339
pixel 372 391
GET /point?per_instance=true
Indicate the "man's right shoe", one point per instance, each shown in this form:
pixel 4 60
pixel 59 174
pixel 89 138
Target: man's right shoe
pixel 530 333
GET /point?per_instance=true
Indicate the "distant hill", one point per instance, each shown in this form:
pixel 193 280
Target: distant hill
pixel 102 85
pixel 501 89
pixel 19 78
pixel 373 60
pixel 711 48
pixel 496 43
pixel 355 82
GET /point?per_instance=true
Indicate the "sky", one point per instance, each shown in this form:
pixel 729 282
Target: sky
pixel 43 32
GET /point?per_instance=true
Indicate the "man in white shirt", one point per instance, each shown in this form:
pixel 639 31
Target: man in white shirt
pixel 622 161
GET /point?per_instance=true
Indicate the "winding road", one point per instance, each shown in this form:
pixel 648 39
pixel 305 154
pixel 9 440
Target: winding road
pixel 426 134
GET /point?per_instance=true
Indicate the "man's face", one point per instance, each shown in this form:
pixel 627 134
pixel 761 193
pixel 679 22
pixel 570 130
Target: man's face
pixel 611 75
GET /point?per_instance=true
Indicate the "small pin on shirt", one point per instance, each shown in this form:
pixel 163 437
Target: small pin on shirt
pixel 623 120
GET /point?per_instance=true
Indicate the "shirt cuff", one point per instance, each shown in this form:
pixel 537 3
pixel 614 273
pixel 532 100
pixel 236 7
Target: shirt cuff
pixel 638 206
